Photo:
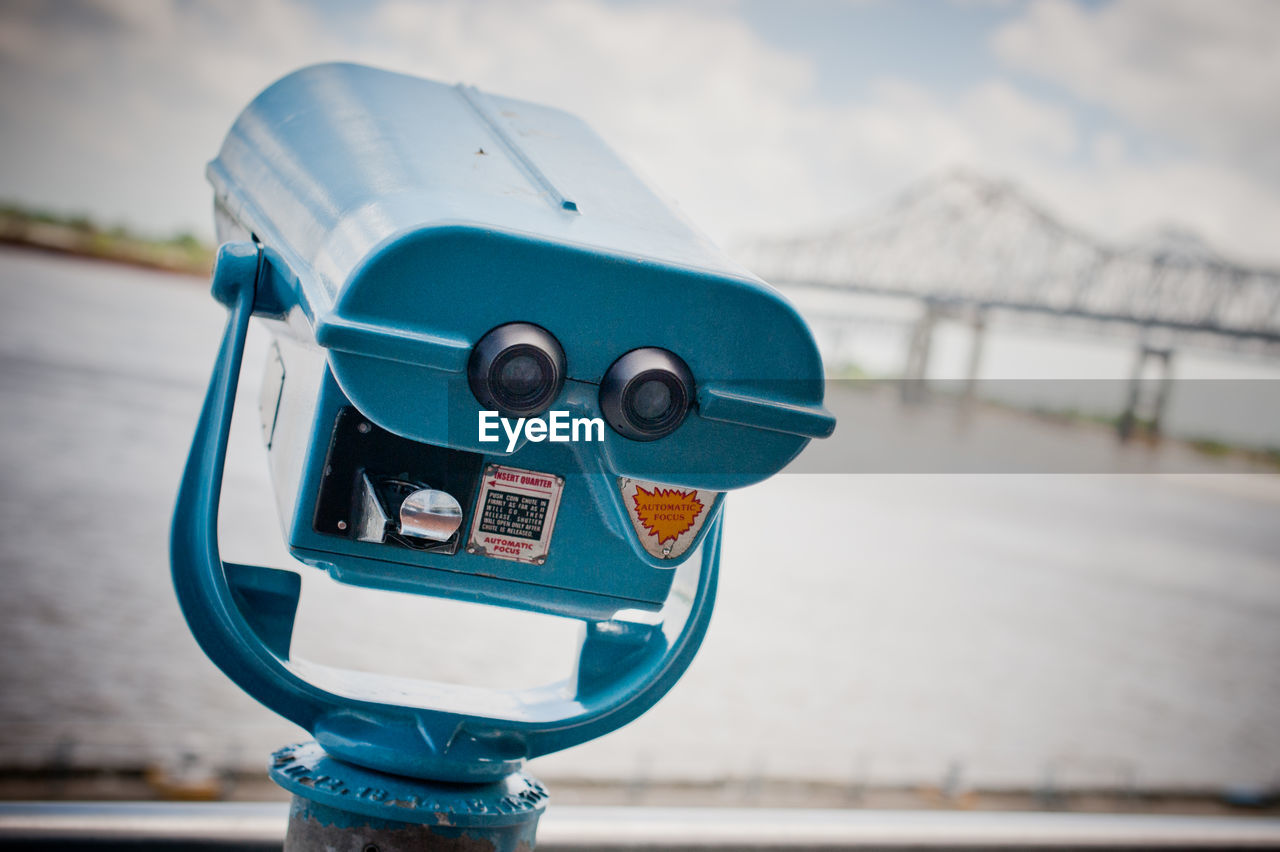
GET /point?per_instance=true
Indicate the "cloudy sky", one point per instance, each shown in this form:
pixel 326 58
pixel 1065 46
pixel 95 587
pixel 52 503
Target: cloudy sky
pixel 756 117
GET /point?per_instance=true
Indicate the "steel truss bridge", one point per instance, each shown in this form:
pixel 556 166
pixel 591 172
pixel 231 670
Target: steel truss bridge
pixel 964 244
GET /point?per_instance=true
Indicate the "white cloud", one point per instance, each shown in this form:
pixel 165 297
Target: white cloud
pixel 692 96
pixel 115 107
pixel 1206 73
pixel 120 115
pixel 1123 200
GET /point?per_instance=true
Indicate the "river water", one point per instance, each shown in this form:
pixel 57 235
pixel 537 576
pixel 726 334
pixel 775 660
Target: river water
pixel 1101 630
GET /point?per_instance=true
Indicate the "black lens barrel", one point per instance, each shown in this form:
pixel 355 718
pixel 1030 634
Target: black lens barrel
pixel 517 369
pixel 646 394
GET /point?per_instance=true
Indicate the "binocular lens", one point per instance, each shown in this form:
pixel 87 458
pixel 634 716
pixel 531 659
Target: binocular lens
pixel 516 369
pixel 522 376
pixel 646 394
pixel 652 401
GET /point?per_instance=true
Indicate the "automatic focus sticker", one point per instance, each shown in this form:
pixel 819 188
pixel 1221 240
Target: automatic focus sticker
pixel 666 519
pixel 515 514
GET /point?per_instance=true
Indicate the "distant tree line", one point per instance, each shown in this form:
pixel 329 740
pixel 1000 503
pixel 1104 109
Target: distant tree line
pixel 78 234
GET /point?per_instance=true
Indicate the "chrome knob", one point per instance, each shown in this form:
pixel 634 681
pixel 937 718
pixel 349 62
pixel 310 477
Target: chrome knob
pixel 430 514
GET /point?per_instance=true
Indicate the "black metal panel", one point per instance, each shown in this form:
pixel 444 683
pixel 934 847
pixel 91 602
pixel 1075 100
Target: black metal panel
pixel 397 466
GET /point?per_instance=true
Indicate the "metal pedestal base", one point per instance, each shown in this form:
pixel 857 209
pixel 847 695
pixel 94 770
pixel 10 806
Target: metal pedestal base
pixel 341 807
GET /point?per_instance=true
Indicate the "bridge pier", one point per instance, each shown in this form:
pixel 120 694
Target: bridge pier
pixel 915 371
pixel 1144 410
pixel 919 346
pixel 973 364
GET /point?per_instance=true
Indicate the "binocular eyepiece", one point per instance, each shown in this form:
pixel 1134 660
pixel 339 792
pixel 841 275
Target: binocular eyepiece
pixel 518 370
pixel 646 394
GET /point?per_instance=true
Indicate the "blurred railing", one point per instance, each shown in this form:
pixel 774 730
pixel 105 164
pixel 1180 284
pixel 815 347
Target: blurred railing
pixel 261 826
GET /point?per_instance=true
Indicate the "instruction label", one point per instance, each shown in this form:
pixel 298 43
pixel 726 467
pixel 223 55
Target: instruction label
pixel 515 514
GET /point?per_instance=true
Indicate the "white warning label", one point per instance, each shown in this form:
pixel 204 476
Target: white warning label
pixel 515 514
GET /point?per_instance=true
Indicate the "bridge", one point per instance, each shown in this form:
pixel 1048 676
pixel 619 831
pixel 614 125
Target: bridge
pixel 965 247
pixel 963 242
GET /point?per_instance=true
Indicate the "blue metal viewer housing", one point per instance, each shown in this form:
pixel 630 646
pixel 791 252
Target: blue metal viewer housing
pixel 423 253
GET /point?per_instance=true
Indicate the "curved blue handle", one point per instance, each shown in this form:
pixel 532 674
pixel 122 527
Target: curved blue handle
pixel 242 617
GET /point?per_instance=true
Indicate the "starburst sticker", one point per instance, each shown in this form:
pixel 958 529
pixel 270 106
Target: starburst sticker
pixel 666 512
pixel 667 520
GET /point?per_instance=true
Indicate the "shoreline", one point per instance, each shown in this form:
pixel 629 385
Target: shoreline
pixel 181 254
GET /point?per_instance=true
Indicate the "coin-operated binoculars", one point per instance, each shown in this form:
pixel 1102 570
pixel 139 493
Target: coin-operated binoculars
pixel 503 372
